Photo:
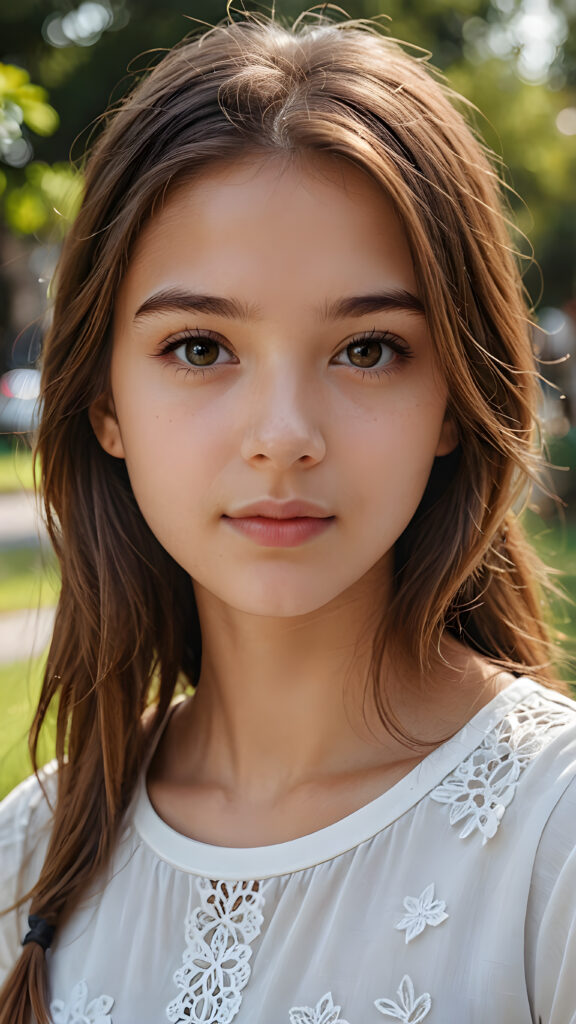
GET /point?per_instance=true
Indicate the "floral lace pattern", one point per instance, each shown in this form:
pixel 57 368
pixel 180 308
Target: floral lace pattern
pixel 79 1011
pixel 215 964
pixel 421 911
pixel 323 1013
pixel 409 1008
pixel 483 785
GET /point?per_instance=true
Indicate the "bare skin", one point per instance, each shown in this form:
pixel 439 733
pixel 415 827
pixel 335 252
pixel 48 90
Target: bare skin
pixel 201 785
pixel 279 740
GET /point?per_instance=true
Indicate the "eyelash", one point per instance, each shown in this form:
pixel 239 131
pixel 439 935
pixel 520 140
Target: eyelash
pixel 391 341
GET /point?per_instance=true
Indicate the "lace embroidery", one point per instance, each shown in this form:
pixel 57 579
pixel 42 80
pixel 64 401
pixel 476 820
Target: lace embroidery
pixel 323 1013
pixel 483 785
pixel 215 967
pixel 421 911
pixel 75 1011
pixel 409 1009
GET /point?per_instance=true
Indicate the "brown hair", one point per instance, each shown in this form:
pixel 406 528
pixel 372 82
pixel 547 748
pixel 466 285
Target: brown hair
pixel 122 636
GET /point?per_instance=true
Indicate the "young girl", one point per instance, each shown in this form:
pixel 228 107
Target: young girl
pixel 289 398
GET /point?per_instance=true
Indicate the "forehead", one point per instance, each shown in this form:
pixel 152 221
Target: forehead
pixel 269 227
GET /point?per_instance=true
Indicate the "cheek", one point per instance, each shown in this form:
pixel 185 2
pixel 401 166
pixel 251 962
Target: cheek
pixel 162 449
pixel 175 451
pixel 390 465
pixel 160 422
pixel 397 447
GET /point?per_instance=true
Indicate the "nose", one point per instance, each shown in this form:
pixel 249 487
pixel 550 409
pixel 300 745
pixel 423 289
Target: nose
pixel 282 426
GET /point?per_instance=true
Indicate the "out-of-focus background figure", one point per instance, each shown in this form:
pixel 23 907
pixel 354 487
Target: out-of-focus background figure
pixel 63 61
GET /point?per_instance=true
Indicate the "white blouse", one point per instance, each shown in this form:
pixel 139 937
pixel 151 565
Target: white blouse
pixel 450 899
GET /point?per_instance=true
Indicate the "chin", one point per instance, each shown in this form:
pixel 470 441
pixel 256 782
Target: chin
pixel 275 600
pixel 283 608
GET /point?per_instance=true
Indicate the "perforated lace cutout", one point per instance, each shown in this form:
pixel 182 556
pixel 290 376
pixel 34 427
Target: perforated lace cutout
pixel 421 911
pixel 215 964
pixel 323 1013
pixel 410 1009
pixel 79 1011
pixel 483 785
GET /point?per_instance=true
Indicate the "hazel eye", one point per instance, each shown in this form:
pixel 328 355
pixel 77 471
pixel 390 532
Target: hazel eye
pixel 199 351
pixel 196 350
pixel 375 354
pixel 367 353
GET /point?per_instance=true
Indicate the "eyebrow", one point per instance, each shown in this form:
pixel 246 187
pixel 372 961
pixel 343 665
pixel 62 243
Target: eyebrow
pixel 170 300
pixel 378 302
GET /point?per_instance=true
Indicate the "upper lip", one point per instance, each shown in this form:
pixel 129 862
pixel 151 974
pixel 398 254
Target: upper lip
pixel 279 510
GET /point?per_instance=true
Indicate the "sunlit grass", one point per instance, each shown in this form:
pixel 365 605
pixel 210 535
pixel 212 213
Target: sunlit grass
pixel 19 689
pixel 15 468
pixel 28 578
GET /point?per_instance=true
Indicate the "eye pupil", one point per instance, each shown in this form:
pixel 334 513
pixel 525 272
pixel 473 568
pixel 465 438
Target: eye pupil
pixel 365 353
pixel 201 353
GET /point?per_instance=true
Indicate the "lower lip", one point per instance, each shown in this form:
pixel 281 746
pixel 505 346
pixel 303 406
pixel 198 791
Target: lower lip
pixel 280 533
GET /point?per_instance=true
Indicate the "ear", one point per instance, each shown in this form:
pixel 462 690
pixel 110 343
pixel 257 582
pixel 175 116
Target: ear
pixel 448 439
pixel 102 416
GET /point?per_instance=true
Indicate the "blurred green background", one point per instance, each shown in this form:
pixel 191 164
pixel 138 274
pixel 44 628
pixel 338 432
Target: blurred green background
pixel 62 62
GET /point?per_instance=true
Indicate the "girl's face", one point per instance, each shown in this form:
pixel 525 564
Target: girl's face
pixel 270 345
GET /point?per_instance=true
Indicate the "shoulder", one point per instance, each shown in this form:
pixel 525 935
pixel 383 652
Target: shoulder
pixel 517 756
pixel 542 735
pixel 25 824
pixel 538 731
pixel 527 735
pixel 550 924
pixel 28 805
pixel 534 750
pixel 543 739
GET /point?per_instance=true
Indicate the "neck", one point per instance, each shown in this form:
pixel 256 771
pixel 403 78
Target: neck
pixel 281 699
pixel 282 702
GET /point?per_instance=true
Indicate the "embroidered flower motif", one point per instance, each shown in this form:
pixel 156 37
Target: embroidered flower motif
pixel 421 911
pixel 323 1013
pixel 215 967
pixel 75 1011
pixel 408 1009
pixel 483 785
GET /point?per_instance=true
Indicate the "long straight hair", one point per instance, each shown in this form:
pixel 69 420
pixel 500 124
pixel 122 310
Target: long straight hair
pixel 127 627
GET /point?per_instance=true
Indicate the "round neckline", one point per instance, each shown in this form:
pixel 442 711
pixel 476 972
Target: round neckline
pixel 228 863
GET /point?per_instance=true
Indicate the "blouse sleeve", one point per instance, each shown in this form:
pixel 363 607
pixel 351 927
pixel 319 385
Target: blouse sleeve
pixel 551 918
pixel 25 820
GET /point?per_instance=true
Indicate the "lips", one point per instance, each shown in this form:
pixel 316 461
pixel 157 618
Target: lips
pixel 270 509
pixel 280 524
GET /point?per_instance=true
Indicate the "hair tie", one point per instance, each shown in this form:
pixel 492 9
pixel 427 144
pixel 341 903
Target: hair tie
pixel 40 932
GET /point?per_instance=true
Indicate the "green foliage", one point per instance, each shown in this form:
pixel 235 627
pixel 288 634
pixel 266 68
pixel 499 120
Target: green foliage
pixel 46 202
pixel 519 123
pixel 23 102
